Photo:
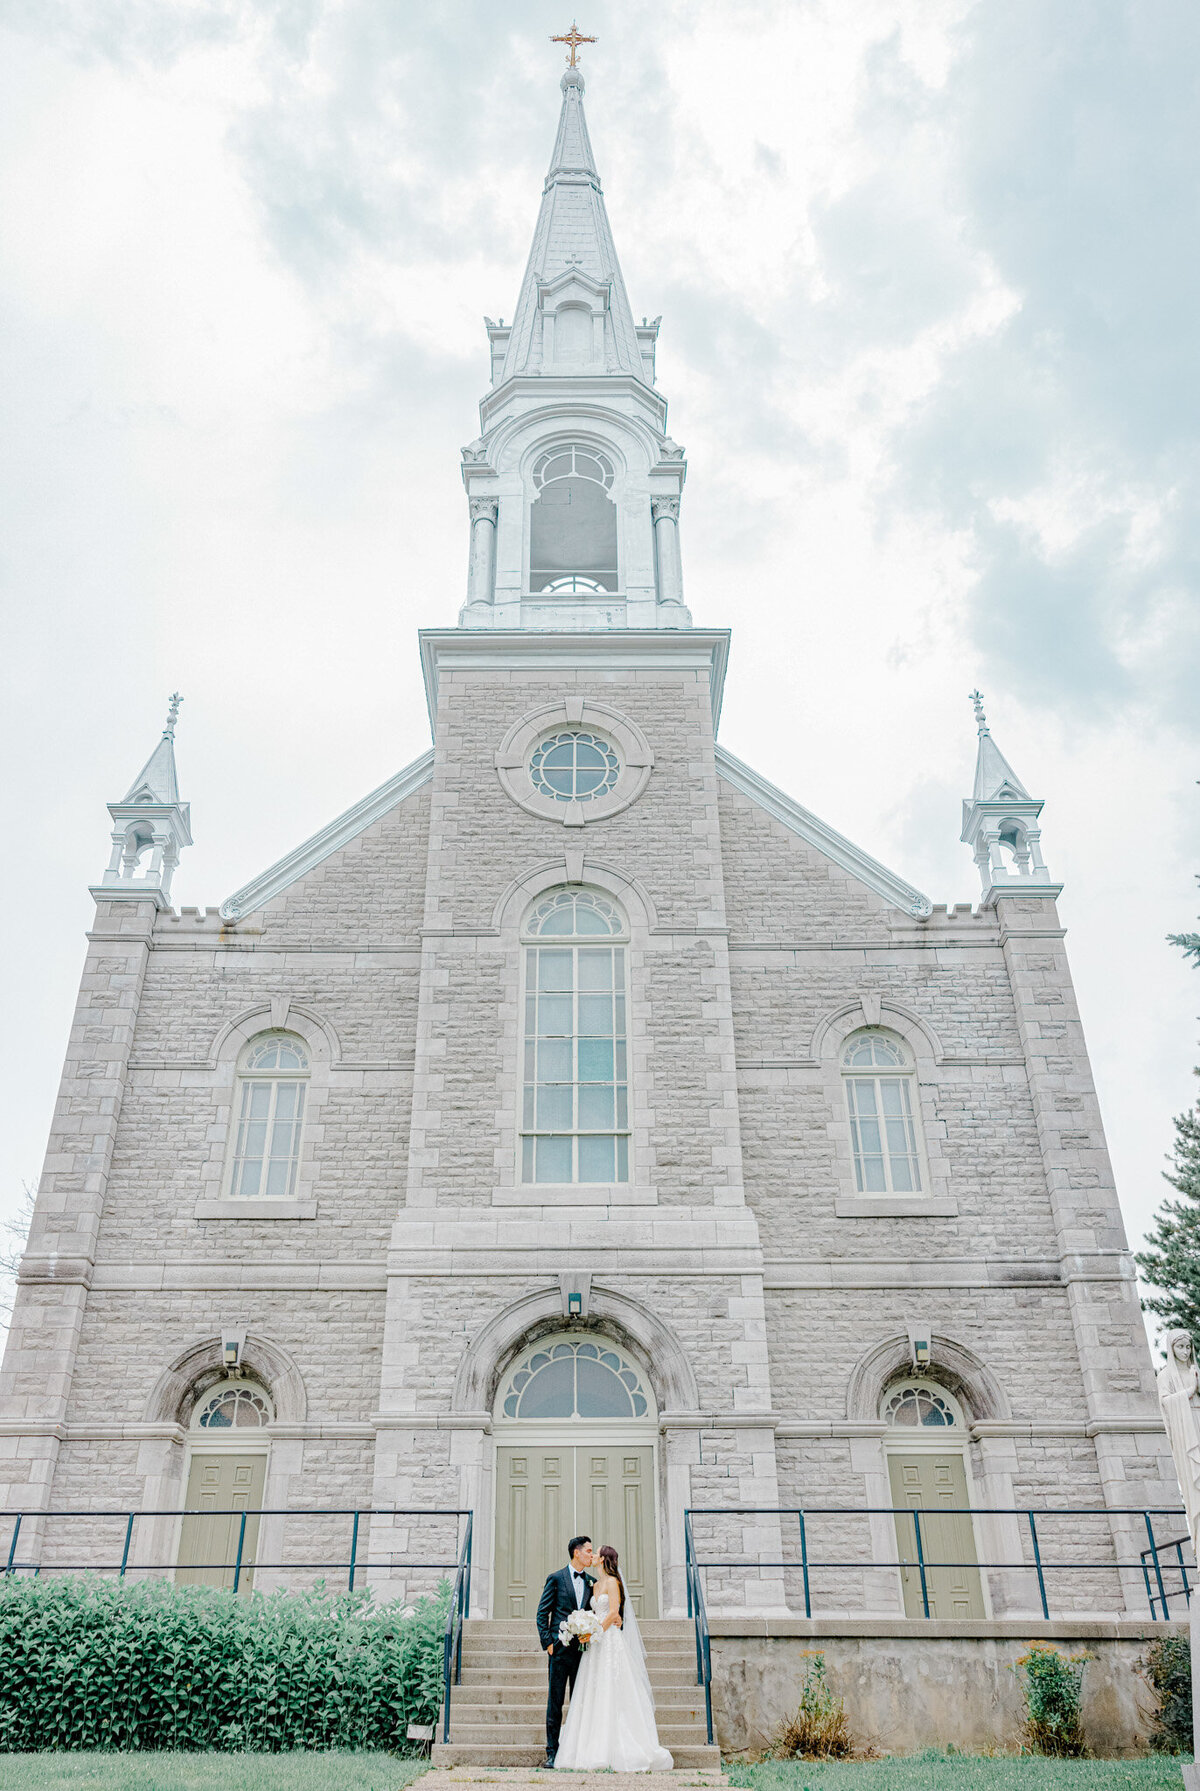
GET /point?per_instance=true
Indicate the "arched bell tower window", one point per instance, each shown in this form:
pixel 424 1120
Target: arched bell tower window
pixel 573 523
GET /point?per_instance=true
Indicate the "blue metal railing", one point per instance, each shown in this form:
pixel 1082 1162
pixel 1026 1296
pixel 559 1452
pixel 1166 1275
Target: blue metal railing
pixel 242 1562
pixel 1154 1569
pixel 456 1616
pixel 699 1616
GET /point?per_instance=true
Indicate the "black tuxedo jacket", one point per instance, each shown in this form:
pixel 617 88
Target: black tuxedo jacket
pixel 557 1602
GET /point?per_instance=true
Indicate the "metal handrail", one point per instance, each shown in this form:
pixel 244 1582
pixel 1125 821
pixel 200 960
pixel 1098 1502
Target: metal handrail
pixel 353 1567
pixel 459 1611
pixel 1149 1560
pixel 698 1611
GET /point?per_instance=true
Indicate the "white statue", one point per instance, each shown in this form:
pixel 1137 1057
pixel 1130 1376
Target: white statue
pixel 1179 1396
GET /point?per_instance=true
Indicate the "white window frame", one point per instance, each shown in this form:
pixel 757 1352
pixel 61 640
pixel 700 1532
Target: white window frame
pixel 245 1079
pixel 904 1076
pixel 622 1134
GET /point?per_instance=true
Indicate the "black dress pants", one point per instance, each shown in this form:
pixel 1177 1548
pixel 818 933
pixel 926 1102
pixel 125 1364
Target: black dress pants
pixel 564 1665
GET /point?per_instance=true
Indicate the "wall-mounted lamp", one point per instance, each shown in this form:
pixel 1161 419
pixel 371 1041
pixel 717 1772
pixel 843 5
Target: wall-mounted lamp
pixel 233 1346
pixel 920 1346
pixel 575 1287
pixel 575 1304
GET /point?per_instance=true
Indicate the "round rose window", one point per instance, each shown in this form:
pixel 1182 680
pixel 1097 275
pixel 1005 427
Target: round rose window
pixel 573 766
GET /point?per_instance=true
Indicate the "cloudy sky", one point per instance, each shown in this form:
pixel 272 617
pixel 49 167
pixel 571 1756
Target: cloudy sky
pixel 928 278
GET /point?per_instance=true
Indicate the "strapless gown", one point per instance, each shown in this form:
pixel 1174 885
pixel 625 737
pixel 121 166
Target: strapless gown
pixel 610 1723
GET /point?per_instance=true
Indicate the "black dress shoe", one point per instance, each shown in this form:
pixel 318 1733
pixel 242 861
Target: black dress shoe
pixel 546 1765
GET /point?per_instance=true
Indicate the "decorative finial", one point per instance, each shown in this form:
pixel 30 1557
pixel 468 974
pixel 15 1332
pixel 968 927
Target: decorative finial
pixel 980 717
pixel 172 715
pixel 574 37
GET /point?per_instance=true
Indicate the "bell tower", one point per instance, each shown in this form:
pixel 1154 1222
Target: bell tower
pixel 573 485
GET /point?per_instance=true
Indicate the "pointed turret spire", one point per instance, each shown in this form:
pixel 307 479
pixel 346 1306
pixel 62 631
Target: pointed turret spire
pixel 994 776
pixel 150 827
pixel 1000 823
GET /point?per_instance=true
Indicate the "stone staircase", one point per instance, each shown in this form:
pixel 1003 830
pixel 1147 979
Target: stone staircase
pixel 498 1711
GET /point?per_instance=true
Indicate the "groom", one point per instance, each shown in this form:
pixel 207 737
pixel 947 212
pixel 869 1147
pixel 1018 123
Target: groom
pixel 570 1589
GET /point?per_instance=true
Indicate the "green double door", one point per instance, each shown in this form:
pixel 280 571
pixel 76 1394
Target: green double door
pixel 929 1480
pixel 544 1496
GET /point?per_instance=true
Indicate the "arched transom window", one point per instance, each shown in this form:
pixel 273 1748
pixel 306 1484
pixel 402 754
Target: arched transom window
pixel 918 1405
pixel 575 1108
pixel 272 1078
pixel 880 1098
pixel 575 1378
pixel 573 522
pixel 235 1405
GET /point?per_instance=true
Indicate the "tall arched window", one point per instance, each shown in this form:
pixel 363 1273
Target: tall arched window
pixel 573 523
pixel 575 1112
pixel 272 1078
pixel 877 1069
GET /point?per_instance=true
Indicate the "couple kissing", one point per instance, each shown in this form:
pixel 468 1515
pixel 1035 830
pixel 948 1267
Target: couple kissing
pixel 589 1632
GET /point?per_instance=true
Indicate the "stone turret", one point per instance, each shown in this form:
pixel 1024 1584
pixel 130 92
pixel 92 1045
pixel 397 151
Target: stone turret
pixel 1000 824
pixel 150 828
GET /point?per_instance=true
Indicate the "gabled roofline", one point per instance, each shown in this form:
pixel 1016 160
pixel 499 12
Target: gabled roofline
pixel 286 871
pixel 834 846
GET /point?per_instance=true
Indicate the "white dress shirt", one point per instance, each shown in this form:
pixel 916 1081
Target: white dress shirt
pixel 580 1585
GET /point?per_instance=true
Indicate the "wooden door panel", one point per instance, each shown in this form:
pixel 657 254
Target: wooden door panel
pixel 208 1546
pixel 616 1504
pixel 545 1496
pixel 925 1482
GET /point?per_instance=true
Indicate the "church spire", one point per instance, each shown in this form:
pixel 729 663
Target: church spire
pixel 573 484
pixel 1000 823
pixel 573 246
pixel 150 827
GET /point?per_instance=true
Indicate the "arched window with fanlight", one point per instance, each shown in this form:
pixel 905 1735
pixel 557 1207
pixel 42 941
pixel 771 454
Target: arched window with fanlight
pixel 575 1378
pixel 573 523
pixel 575 1097
pixel 930 1482
pixel 880 1083
pixel 272 1082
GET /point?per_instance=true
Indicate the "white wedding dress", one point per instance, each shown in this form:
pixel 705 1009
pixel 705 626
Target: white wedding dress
pixel 610 1723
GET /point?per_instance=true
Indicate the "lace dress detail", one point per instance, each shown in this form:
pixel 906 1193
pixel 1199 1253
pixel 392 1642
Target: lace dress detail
pixel 610 1724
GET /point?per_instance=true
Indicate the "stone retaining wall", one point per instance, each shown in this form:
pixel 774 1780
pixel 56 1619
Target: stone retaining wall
pixel 909 1686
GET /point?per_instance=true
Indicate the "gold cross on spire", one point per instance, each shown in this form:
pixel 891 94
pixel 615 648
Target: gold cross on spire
pixel 574 37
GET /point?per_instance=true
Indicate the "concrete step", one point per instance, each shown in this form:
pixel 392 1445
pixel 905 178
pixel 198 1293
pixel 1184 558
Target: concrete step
pixel 532 1676
pixel 533 1697
pixel 668 1733
pixel 651 1627
pixel 519 1754
pixel 507 1716
pixel 480 1652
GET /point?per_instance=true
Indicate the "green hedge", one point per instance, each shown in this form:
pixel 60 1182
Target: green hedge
pixel 86 1663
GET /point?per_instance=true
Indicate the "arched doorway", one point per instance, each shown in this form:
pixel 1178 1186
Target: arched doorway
pixel 227 1472
pixel 928 1472
pixel 576 1437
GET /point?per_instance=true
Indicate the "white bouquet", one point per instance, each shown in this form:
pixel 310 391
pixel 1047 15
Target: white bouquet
pixel 579 1627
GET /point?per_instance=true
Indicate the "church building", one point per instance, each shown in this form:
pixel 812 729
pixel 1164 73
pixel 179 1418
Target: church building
pixel 579 1130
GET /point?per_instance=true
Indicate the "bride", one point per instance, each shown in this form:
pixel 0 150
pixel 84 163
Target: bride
pixel 610 1723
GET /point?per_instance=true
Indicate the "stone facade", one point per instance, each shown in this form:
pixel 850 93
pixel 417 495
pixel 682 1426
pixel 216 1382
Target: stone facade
pixel 768 1301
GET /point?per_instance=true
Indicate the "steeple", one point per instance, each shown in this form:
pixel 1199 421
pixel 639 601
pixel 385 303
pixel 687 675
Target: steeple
pixel 150 827
pixel 573 484
pixel 1000 823
pixel 573 254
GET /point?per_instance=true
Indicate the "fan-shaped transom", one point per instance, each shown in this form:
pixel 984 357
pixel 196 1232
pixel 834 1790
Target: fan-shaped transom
pixel 575 1378
pixel 236 1405
pixel 276 1053
pixel 917 1405
pixel 575 914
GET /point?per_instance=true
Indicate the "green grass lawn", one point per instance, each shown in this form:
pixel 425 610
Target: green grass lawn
pixel 951 1772
pixel 206 1772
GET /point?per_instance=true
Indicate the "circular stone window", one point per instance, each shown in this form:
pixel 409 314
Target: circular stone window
pixel 574 767
pixel 574 762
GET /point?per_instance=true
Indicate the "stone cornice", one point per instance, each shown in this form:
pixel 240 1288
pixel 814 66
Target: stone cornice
pixel 605 649
pixel 831 844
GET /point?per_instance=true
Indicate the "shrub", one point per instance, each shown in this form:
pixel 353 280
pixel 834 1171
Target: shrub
pixel 1167 1664
pixel 86 1663
pixel 1052 1684
pixel 818 1731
